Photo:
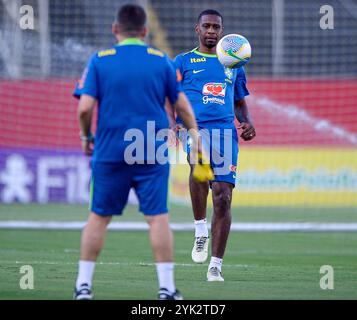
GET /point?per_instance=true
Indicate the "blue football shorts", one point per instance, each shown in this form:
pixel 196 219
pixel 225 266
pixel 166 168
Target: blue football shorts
pixel 221 144
pixel 111 183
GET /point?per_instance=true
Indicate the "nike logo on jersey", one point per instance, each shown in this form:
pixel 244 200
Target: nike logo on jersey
pixel 198 71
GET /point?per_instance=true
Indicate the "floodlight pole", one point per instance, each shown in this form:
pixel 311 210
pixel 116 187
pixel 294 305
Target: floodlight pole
pixel 278 37
pixel 12 55
pixel 44 31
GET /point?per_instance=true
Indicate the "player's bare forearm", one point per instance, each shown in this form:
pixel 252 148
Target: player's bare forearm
pixel 170 114
pixel 241 111
pixel 242 114
pixel 202 171
pixel 184 111
pixel 85 114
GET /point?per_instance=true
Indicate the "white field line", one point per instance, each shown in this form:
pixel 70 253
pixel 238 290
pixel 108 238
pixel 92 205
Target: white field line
pixel 126 264
pixel 292 111
pixel 138 226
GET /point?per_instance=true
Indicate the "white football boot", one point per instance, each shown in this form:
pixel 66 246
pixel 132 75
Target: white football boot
pixel 84 292
pixel 214 274
pixel 200 249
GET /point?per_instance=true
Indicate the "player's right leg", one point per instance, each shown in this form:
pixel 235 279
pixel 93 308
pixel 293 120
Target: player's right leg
pixel 161 239
pixel 199 193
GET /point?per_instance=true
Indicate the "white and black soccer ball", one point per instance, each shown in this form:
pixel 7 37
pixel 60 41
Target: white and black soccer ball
pixel 233 51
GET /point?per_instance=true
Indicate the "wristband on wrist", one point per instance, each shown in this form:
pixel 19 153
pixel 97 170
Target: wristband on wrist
pixel 85 138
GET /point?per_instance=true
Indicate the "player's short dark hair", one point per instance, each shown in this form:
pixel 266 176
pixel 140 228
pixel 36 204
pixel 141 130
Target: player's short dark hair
pixel 131 18
pixel 207 12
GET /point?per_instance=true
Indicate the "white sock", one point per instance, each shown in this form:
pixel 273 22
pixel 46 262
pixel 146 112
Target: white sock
pixel 201 229
pixel 216 262
pixel 85 273
pixel 165 274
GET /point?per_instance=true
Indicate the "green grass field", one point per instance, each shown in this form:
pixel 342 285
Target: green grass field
pixel 256 265
pixel 62 212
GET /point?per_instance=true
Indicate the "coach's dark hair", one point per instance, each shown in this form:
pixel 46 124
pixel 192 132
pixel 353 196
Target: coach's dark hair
pixel 131 19
pixel 207 12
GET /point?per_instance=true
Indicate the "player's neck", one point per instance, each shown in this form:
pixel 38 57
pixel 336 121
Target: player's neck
pixel 203 49
pixel 121 38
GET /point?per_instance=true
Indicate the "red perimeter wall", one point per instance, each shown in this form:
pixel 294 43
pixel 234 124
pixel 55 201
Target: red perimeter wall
pixel 43 113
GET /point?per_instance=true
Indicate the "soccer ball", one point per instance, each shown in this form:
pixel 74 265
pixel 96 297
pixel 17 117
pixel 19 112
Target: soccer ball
pixel 233 51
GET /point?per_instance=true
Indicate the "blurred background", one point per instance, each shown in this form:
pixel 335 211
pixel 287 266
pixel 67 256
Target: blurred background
pixel 303 83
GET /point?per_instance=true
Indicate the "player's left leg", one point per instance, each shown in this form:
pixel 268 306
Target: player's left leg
pixel 93 236
pixel 108 198
pixel 222 188
pixel 221 223
pixel 92 242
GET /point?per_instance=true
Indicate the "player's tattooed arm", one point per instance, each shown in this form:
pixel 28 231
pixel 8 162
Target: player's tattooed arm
pixel 242 114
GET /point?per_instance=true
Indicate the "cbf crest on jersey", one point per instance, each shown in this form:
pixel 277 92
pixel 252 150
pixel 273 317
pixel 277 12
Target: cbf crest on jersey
pixel 229 73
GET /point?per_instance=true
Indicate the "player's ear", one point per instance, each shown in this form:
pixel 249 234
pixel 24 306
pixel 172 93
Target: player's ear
pixel 145 32
pixel 197 29
pixel 115 28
